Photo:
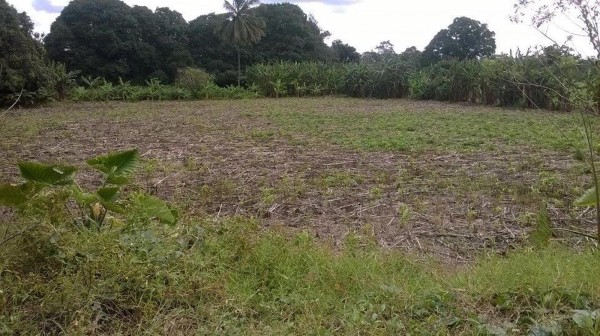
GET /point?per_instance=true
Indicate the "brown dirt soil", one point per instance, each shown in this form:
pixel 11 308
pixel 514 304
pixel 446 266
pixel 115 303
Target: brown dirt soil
pixel 203 156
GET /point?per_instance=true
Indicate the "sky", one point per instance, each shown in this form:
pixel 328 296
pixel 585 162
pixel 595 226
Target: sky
pixel 362 23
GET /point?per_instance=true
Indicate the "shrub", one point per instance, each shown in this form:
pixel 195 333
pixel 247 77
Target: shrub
pixel 194 80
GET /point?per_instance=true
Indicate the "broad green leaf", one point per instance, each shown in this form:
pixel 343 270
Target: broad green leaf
pixel 156 208
pixel 84 198
pixel 12 195
pixel 116 164
pixel 588 198
pixel 48 174
pixel 108 194
pixel 116 180
pixel 112 206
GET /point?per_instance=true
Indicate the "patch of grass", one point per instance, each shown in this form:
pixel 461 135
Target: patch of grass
pixel 231 277
pixel 434 129
pixel 337 179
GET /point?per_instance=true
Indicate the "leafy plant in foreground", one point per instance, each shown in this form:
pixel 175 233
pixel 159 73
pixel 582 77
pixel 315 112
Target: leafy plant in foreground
pixel 46 183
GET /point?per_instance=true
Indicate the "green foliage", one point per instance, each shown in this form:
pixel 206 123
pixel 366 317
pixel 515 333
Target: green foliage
pixel 46 174
pixel 193 79
pixel 464 39
pixel 385 79
pixel 117 166
pixel 153 207
pixel 542 80
pixel 23 72
pixel 589 198
pixel 232 276
pixel 290 35
pixel 55 184
pixel 130 43
pixel 194 85
pixel 344 53
pixel 63 80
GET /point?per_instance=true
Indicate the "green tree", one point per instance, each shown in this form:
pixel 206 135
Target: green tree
pixel 384 50
pixel 164 31
pixel 242 27
pixel 108 38
pixel 465 38
pixel 344 52
pixel 23 72
pixel 211 52
pixel 412 56
pixel 291 35
pixel 100 38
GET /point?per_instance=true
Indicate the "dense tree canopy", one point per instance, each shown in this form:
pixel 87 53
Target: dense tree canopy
pixel 164 32
pixel 22 64
pixel 100 38
pixel 110 39
pixel 344 53
pixel 290 35
pixel 212 53
pixel 412 56
pixel 465 38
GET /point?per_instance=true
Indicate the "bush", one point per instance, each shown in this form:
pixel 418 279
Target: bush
pixel 194 80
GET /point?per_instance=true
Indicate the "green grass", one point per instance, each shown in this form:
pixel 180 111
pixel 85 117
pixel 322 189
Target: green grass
pixel 231 278
pixel 437 129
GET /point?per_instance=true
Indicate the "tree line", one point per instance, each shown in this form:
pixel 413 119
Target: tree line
pixel 112 41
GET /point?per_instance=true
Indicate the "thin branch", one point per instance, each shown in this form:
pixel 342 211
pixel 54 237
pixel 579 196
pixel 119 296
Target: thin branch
pixel 576 232
pixel 13 105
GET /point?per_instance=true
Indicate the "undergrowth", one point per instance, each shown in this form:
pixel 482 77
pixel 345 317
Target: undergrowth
pixel 230 277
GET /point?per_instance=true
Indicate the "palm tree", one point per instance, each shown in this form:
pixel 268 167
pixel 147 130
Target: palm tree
pixel 241 27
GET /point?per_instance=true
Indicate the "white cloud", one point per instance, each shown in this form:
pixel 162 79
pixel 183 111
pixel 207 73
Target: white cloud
pixel 364 23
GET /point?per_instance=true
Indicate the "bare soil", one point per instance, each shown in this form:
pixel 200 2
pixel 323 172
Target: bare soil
pixel 226 158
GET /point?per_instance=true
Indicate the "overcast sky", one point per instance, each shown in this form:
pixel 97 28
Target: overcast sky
pixel 361 23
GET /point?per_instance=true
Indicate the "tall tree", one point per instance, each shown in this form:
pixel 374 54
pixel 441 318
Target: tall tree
pixel 100 38
pixel 242 27
pixel 210 51
pixel 165 32
pixel 291 35
pixel 384 50
pixel 344 52
pixel 465 38
pixel 22 60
